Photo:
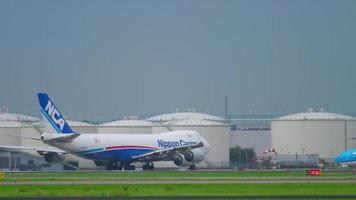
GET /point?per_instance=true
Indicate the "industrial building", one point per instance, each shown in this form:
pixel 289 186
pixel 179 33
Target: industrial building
pixel 252 133
pixel 322 133
pixel 18 125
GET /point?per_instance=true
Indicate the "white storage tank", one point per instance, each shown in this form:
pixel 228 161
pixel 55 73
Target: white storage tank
pixel 129 126
pixel 11 124
pixel 11 130
pixel 326 134
pixel 83 127
pixel 78 126
pixel 184 115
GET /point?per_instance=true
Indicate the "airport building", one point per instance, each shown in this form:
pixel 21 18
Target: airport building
pixel 259 140
pixel 322 133
pixel 251 132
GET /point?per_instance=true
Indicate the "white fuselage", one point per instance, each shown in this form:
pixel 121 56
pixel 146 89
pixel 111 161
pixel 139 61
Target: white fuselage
pixel 125 147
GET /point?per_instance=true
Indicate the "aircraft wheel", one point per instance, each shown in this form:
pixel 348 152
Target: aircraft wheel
pixel 129 167
pixel 151 167
pixel 192 167
pixel 132 167
pixel 114 166
pixel 117 166
pixel 148 166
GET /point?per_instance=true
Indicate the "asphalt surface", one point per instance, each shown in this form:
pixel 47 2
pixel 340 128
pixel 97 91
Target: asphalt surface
pixel 180 180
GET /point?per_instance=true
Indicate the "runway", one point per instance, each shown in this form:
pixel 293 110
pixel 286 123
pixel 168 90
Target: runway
pixel 65 180
pixel 177 182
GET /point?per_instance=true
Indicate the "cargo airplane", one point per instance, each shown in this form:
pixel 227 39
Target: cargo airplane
pixel 116 151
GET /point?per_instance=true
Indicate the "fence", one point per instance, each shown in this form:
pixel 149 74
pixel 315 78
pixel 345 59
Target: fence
pixel 2 176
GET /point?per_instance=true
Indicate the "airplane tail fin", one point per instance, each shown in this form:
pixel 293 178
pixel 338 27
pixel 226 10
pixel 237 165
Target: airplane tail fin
pixel 52 114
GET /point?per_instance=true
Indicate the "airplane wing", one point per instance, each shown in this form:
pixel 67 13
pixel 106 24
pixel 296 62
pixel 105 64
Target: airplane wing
pixel 40 150
pixel 166 152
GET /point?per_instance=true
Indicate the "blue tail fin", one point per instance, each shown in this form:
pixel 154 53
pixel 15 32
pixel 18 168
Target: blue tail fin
pixel 52 114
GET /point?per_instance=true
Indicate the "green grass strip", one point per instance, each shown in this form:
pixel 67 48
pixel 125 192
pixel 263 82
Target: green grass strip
pixel 174 190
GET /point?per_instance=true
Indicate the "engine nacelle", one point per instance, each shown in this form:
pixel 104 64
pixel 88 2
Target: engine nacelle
pixel 180 161
pixel 54 157
pixel 196 155
pixel 189 156
pixel 101 163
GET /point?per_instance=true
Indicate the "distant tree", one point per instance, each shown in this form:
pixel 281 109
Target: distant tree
pixel 241 155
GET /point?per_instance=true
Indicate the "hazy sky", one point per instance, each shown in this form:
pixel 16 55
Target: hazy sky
pixel 105 59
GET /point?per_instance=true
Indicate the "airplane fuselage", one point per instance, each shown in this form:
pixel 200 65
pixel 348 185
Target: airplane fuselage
pixel 125 147
pixel 347 157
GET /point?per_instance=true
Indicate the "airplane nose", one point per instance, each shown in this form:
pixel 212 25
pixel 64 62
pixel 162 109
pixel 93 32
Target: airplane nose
pixel 339 159
pixel 208 146
pixel 206 143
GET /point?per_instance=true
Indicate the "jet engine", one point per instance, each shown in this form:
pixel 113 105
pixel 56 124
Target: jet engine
pixel 53 157
pixel 196 155
pixel 101 163
pixel 180 161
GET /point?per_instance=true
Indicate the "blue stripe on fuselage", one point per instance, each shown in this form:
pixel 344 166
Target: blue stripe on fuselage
pixel 116 154
pixel 90 151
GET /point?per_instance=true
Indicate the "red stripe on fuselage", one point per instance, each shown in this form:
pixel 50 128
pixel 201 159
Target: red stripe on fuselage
pixel 129 146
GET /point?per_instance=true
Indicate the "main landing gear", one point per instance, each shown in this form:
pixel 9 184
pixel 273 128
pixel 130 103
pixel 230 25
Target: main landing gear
pixel 148 166
pixel 120 166
pixel 128 166
pixel 114 166
pixel 192 167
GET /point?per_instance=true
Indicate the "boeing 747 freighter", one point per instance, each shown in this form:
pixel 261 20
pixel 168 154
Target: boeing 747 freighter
pixel 117 151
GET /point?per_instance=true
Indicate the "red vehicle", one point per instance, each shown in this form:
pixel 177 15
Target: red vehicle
pixel 313 172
